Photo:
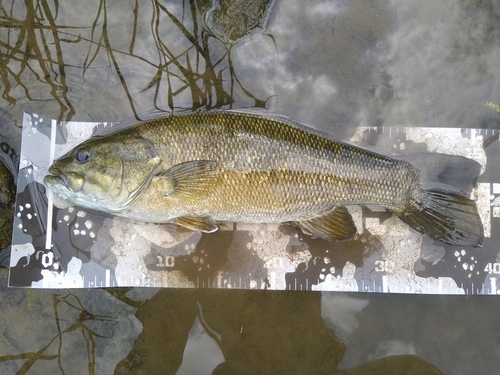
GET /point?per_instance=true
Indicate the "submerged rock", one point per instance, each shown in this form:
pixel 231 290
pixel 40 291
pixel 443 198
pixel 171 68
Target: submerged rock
pixel 7 198
pixel 230 20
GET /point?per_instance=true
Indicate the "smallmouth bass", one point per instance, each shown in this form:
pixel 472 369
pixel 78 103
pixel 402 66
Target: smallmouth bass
pixel 198 169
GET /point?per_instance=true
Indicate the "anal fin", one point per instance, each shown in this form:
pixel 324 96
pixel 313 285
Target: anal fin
pixel 203 224
pixel 336 225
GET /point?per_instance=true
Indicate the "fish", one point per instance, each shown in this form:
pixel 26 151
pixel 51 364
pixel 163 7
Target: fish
pixel 200 169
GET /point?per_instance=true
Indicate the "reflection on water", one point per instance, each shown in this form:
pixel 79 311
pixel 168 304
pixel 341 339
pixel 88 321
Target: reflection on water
pixel 34 47
pixel 331 64
pixel 47 44
pixel 64 332
pixel 177 331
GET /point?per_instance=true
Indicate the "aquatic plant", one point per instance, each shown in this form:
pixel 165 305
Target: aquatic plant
pixel 186 58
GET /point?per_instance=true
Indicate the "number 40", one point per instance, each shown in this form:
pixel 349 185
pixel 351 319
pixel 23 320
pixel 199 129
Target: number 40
pixel 492 268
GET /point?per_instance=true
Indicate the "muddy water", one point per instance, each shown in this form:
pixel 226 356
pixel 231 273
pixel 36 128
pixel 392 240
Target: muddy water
pixel 334 65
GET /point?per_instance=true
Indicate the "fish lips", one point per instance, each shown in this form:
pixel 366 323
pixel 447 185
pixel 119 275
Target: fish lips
pixel 71 180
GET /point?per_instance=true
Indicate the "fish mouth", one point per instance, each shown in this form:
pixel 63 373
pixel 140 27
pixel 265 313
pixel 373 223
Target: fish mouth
pixel 71 180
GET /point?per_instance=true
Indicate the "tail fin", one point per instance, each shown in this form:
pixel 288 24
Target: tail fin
pixel 444 210
pixel 448 217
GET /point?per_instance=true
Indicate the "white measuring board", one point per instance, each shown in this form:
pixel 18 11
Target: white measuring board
pixel 57 246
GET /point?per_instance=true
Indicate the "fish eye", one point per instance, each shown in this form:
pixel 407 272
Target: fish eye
pixel 82 156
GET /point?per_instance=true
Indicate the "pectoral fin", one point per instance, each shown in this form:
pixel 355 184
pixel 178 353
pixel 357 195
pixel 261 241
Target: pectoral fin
pixel 336 225
pixel 203 224
pixel 192 179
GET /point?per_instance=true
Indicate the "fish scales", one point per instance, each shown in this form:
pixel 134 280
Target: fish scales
pixel 199 169
pixel 273 171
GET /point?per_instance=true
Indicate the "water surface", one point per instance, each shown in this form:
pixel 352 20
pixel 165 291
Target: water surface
pixel 334 65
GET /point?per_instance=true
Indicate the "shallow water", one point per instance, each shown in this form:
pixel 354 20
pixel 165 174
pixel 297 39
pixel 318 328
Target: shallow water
pixel 334 65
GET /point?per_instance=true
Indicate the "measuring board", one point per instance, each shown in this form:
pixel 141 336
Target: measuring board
pixel 57 246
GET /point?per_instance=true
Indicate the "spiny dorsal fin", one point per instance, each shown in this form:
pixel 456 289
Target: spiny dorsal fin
pixel 336 225
pixel 192 179
pixel 203 224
